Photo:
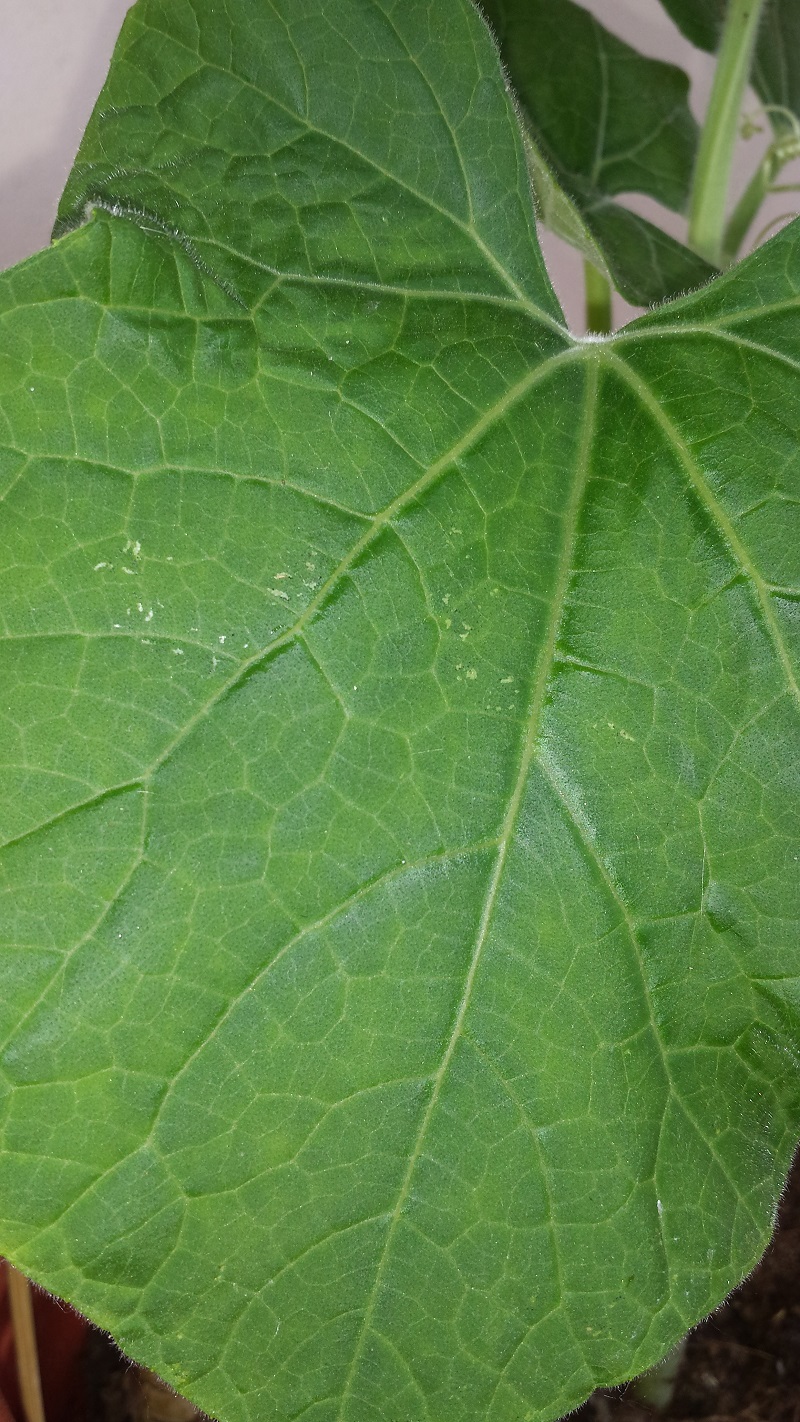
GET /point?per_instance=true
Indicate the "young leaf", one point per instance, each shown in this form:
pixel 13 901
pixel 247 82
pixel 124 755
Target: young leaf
pixel 606 120
pixel 400 745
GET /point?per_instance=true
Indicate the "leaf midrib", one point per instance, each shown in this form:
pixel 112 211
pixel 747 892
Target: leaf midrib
pixel 528 750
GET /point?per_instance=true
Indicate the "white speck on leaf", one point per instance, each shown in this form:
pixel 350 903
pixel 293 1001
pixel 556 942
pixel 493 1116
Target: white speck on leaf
pixel 624 734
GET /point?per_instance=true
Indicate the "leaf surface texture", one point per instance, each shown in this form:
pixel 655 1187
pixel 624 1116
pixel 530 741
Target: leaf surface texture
pixel 399 757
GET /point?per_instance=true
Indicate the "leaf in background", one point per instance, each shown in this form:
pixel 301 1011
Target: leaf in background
pixel 699 20
pixel 606 120
pixel 776 65
pixel 400 745
pixel 646 263
pixel 620 231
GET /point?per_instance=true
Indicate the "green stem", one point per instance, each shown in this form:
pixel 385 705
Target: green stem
pixel 715 154
pixel 783 150
pixel 598 301
pixel 746 208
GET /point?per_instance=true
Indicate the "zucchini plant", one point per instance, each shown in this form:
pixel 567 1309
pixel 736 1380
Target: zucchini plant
pixel 399 708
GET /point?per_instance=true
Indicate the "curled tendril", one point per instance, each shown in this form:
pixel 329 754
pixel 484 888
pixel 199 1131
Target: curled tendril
pixel 751 122
pixel 774 222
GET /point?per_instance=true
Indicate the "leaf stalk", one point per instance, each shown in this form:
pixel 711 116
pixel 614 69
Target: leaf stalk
pixel 21 1310
pixel 782 151
pixel 598 301
pixel 715 155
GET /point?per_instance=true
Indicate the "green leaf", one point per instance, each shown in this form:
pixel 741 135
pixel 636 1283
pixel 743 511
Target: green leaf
pixel 699 20
pixel 776 65
pixel 400 745
pixel 604 120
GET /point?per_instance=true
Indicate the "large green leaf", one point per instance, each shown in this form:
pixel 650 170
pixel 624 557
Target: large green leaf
pixel 776 64
pixel 399 754
pixel 605 120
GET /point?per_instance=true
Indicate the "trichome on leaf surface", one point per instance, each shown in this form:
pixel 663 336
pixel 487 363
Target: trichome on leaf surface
pixel 399 719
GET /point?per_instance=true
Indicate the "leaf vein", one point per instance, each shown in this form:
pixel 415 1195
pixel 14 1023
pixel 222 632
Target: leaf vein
pixel 527 753
pixel 714 509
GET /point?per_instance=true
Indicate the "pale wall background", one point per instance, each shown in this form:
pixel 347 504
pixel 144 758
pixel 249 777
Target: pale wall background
pixel 54 55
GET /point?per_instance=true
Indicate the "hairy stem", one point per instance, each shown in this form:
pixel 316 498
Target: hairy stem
pixel 715 154
pixel 746 209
